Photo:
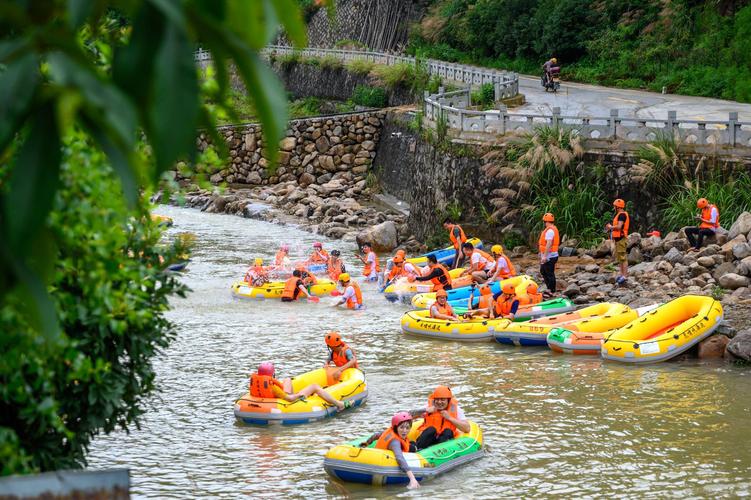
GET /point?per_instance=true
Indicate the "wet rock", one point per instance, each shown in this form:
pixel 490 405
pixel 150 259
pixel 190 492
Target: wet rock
pixel 256 211
pixel 673 255
pixel 383 237
pixel 722 269
pixel 572 290
pixel 740 346
pixel 742 225
pixel 741 251
pixel 731 281
pixel 705 261
pixel 713 347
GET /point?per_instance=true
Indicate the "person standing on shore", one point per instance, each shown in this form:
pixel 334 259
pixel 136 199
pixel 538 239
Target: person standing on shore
pixel 458 238
pixel 619 233
pixel 709 221
pixel 548 247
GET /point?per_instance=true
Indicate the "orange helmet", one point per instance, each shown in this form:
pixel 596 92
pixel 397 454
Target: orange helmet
pixel 702 203
pixel 441 293
pixel 442 392
pixel 508 289
pixel 619 203
pixel 548 217
pixel 401 252
pixel 333 339
pixel 532 288
pixel 485 290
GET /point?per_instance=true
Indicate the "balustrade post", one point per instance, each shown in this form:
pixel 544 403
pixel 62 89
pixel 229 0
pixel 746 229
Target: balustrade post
pixel 613 123
pixel 732 127
pixel 503 116
pixel 556 116
pixel 671 124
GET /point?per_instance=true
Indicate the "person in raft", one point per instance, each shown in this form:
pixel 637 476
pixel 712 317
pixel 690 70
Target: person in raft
pixel 264 385
pixel 503 268
pixel 443 419
pixel 308 278
pixel 319 255
pixel 441 309
pixel 438 274
pixel 352 295
pixel 395 439
pixel 293 287
pixel 335 265
pixel 372 267
pixel 340 355
pixel 485 305
pixel 619 233
pixel 548 247
pixel 281 260
pixel 709 222
pixel 256 274
pixel 481 264
pixel 458 238
pixel 507 303
pixel 533 295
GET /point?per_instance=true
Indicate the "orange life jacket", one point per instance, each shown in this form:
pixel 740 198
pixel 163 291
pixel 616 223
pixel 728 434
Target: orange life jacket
pixel 353 302
pixel 396 271
pixel 334 268
pixel 290 286
pixel 486 302
pixel 509 272
pixel 339 357
pixel 462 237
pixel 309 280
pixel 486 256
pixel 389 435
pixel 530 298
pixel 623 232
pixel 503 304
pixel 706 213
pixel 543 242
pixel 366 270
pixel 319 259
pixel 279 259
pixel 261 386
pixel 436 420
pixel 447 309
pixel 443 280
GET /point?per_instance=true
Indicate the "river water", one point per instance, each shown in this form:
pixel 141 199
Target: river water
pixel 553 424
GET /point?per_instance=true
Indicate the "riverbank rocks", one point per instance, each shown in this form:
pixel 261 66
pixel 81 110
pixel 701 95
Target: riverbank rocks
pixel 383 237
pixel 739 346
pixel 713 347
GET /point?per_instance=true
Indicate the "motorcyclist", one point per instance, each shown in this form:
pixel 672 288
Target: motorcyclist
pixel 547 69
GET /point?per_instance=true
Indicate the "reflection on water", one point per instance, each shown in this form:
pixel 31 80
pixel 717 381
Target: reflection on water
pixel 553 424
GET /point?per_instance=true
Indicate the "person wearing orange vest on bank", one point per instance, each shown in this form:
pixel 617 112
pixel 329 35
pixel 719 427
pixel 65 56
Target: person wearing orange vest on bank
pixel 441 309
pixel 443 419
pixel 548 248
pixel 293 287
pixel 438 275
pixel 619 232
pixel 372 267
pixel 264 385
pixel 256 274
pixel 352 295
pixel 507 303
pixel 485 305
pixel 503 268
pixel 458 238
pixel 319 255
pixel 340 354
pixel 335 266
pixel 395 439
pixel 480 263
pixel 709 221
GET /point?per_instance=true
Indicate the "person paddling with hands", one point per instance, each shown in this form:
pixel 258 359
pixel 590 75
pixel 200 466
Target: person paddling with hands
pixel 264 385
pixel 340 355
pixel 441 308
pixel 395 439
pixel 295 286
pixel 443 419
pixel 352 295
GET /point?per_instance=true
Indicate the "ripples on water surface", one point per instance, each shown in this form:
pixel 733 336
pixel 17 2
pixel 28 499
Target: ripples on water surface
pixel 553 425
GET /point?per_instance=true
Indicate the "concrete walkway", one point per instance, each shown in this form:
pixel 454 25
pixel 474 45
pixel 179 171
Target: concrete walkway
pixel 577 99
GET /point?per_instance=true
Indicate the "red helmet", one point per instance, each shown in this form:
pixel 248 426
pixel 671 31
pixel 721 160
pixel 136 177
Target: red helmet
pixel 333 339
pixel 402 416
pixel 317 244
pixel 619 203
pixel 548 217
pixel 702 203
pixel 285 247
pixel 266 368
pixel 442 392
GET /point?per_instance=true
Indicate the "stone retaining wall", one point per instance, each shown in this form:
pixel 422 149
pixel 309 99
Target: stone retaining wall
pixel 318 150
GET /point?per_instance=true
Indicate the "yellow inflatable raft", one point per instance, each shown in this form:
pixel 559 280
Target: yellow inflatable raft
pixel 425 300
pixel 263 411
pixel 474 330
pixel 349 462
pixel 444 256
pixel 274 289
pixel 665 332
pixel 403 289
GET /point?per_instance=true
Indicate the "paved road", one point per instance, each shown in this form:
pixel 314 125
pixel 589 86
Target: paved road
pixel 577 99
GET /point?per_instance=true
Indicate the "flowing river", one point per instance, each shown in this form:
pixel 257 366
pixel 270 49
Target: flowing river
pixel 552 424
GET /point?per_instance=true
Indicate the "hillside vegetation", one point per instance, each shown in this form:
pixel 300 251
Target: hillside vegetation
pixel 688 46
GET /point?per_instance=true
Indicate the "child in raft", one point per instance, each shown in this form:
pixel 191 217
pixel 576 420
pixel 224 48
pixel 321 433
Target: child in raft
pixel 264 385
pixel 395 439
pixel 340 355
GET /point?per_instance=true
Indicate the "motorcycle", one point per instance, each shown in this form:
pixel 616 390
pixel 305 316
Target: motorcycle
pixel 551 80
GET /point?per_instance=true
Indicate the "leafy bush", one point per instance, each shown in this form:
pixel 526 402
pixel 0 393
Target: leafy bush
pixel 395 75
pixel 331 63
pixel 485 96
pixel 360 66
pixel 350 44
pixel 289 60
pixel 372 97
pixel 308 106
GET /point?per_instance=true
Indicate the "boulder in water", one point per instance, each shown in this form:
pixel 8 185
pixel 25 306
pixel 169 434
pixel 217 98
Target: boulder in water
pixel 383 237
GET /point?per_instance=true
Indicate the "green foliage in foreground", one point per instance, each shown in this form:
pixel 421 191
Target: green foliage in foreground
pixel 690 47
pixel 110 290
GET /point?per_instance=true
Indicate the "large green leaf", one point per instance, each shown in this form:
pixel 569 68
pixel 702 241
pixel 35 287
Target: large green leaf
pixel 291 19
pixel 17 84
pixel 255 22
pixel 174 112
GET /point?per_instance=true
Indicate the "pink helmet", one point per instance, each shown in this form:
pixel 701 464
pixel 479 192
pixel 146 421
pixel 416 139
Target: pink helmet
pixel 402 416
pixel 266 368
pixel 285 247
pixel 317 244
